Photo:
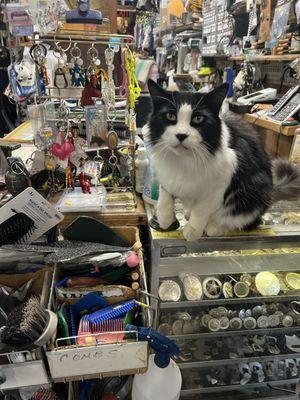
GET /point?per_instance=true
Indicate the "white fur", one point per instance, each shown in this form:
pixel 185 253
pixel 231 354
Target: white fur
pixel 195 176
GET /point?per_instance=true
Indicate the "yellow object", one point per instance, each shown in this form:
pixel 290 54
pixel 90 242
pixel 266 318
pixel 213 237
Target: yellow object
pixel 292 280
pixel 133 85
pixel 267 284
pixel 175 8
pixel 206 71
pixel 22 134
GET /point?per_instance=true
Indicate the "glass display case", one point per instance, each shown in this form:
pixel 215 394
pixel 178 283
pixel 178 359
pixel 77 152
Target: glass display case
pixel 232 305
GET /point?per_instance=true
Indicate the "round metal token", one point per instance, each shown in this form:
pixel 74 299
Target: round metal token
pixel 241 289
pixel 212 287
pixel 214 325
pixel 249 323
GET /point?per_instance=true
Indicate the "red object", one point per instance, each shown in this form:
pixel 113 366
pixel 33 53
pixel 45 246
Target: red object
pixel 62 149
pixel 89 92
pixel 110 396
pixel 84 183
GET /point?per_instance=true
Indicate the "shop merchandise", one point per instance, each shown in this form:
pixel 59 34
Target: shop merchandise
pixel 101 295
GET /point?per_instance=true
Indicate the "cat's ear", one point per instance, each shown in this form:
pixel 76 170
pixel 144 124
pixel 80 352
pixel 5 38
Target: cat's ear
pixel 215 98
pixel 156 90
pixel 160 97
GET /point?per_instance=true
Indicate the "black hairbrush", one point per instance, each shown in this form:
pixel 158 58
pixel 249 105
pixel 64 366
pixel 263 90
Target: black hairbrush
pixel 16 229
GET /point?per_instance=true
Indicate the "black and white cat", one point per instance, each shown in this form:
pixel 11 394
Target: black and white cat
pixel 215 165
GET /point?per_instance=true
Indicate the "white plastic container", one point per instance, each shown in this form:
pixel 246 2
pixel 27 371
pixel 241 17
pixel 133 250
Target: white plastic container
pixel 157 383
pixel 141 164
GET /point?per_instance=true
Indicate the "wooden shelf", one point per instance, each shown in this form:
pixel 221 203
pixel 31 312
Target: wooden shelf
pixel 283 57
pixel 271 125
pixel 127 8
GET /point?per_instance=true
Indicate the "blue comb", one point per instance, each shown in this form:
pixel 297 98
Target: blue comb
pixel 113 311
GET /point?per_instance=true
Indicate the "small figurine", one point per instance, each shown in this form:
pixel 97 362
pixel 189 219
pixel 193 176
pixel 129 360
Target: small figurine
pixel 84 183
pixel 77 75
pixel 69 178
pixel 89 92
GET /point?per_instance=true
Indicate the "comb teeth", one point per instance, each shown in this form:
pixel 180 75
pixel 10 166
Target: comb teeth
pixel 16 229
pixel 111 312
pixel 25 324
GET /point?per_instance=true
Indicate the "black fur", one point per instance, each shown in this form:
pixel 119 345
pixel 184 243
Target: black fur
pixel 208 106
pixel 251 186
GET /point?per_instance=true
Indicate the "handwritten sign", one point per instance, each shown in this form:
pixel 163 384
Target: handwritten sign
pixel 91 360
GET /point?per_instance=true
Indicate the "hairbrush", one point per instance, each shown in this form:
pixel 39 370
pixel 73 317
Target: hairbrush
pixel 29 324
pixel 16 229
pixel 114 311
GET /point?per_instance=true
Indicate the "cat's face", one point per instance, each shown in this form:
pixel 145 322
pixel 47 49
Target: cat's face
pixel 184 122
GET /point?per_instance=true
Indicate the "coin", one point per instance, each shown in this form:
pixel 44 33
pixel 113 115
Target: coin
pixel 214 325
pixel 241 289
pixel 267 284
pixel 263 322
pixel 169 291
pixel 287 321
pixel 177 327
pixel 224 323
pixel 274 320
pixel 165 329
pixel 235 323
pixel 249 323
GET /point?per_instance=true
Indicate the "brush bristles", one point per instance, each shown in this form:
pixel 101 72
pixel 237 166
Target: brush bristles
pixel 25 324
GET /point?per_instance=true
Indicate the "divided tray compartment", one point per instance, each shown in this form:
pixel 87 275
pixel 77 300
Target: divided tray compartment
pixel 80 362
pixel 26 368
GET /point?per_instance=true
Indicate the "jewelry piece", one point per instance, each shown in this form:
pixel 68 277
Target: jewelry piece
pixel 214 325
pixel 292 280
pixel 267 284
pixel 205 320
pixel 249 323
pixel 224 323
pixel 169 291
pixel 227 290
pixel 263 322
pixel 212 287
pixel 165 329
pixel 236 323
pixel 177 327
pixel 192 286
pixel 214 313
pixel 246 278
pixel 241 289
pixel 257 311
pixel 287 321
pixel 223 312
pixel 274 320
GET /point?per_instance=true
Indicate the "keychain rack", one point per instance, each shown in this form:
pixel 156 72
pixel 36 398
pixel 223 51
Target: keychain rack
pixel 92 39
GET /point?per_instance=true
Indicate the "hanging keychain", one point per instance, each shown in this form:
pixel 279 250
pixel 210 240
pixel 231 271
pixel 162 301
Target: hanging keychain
pixel 109 89
pixel 38 53
pixel 60 79
pixel 77 73
pixel 93 57
pixel 133 87
pixel 99 166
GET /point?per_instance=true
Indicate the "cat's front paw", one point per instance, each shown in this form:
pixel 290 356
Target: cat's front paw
pixel 165 220
pixel 191 234
pixel 214 230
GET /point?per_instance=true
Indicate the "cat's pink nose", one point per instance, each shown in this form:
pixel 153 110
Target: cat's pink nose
pixel 181 136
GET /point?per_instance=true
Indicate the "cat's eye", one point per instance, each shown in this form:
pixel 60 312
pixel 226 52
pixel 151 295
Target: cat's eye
pixel 171 117
pixel 197 119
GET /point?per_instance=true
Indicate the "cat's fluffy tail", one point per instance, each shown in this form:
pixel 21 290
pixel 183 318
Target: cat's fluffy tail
pixel 286 179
